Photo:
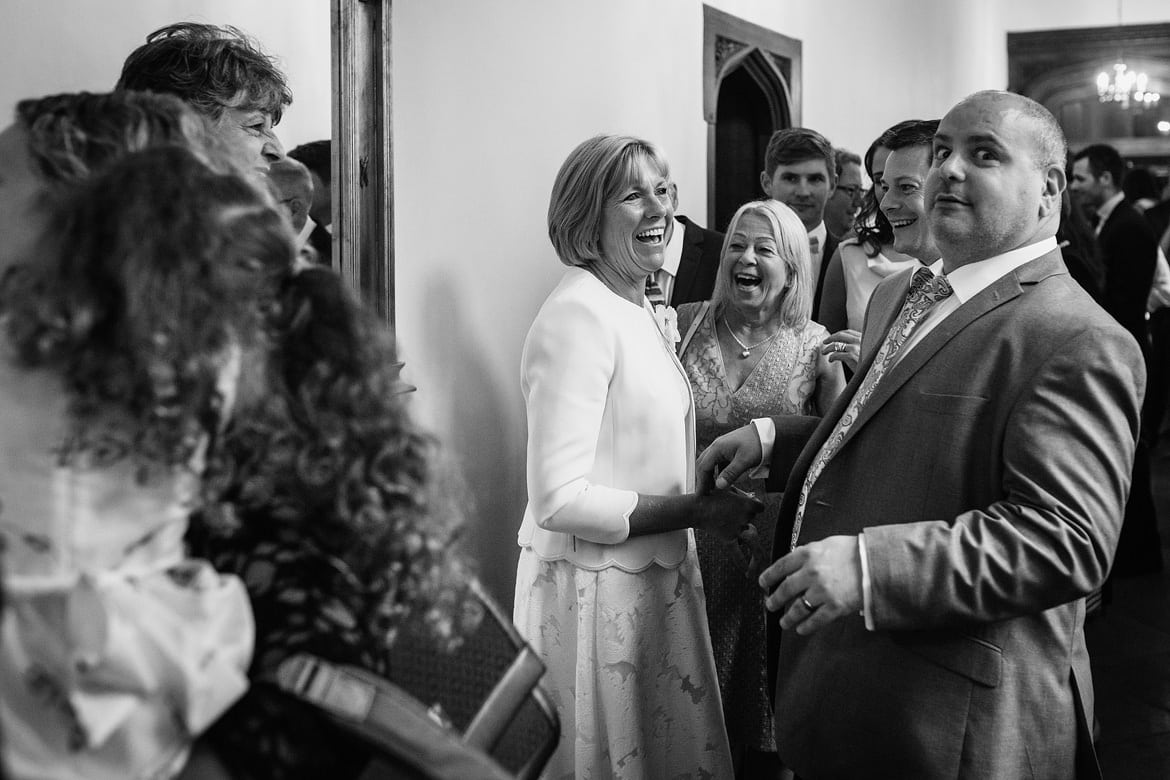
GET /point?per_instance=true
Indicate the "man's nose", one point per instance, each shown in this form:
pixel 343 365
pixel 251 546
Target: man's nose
pixel 273 150
pixel 952 166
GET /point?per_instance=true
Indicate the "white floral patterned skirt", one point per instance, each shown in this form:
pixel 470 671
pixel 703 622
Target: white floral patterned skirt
pixel 630 669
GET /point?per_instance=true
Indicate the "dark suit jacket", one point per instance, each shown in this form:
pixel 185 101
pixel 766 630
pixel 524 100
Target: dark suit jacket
pixel 1129 249
pixel 988 472
pixel 699 265
pixel 831 242
pixel 322 241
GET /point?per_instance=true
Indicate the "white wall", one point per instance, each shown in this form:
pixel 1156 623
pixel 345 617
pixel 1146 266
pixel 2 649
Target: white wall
pixel 73 45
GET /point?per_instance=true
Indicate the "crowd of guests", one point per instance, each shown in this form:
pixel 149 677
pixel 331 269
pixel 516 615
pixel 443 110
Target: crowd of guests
pixel 934 527
pixel 824 493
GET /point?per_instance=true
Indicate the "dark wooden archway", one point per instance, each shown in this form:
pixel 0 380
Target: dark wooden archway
pixel 751 88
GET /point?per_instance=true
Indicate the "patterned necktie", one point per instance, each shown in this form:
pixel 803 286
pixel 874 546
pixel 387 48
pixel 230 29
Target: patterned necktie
pixel 654 292
pixel 926 289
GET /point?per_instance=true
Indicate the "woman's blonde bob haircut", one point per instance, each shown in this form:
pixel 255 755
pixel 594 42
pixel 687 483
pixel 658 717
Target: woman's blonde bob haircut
pixel 590 177
pixel 795 306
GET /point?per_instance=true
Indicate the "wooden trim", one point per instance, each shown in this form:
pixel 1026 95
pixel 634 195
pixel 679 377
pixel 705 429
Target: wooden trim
pixel 362 150
pixel 772 59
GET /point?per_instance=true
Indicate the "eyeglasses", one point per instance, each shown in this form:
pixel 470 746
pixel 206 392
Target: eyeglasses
pixel 854 193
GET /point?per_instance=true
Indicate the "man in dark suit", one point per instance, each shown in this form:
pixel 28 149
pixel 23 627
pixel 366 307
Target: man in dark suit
pixel 1130 251
pixel 800 171
pixel 951 511
pixel 1128 245
pixel 698 262
pixel 315 156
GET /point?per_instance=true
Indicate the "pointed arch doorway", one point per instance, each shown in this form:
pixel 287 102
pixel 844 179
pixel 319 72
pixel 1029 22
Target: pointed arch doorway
pixel 751 88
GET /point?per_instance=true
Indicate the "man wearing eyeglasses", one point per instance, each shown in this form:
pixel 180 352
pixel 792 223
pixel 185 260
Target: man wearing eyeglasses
pixel 845 201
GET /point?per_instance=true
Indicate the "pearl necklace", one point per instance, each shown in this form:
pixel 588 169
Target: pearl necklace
pixel 747 348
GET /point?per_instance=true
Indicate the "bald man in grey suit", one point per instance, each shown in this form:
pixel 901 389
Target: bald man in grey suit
pixel 947 517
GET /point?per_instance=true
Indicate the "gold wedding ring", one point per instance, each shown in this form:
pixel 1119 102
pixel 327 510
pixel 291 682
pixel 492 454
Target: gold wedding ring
pixel 807 606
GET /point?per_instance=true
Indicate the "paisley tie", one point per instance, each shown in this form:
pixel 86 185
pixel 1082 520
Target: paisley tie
pixel 926 289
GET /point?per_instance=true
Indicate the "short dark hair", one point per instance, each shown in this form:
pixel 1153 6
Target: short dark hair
pixel 210 67
pixel 912 132
pixel 1103 159
pixel 1140 183
pixel 315 155
pixel 797 144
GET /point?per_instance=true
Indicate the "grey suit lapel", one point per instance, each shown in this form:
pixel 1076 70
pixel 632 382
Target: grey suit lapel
pixel 995 295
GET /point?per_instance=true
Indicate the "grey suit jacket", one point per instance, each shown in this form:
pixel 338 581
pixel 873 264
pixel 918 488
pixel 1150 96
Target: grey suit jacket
pixel 988 472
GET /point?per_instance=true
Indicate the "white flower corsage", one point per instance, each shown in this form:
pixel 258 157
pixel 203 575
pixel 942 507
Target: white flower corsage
pixel 666 318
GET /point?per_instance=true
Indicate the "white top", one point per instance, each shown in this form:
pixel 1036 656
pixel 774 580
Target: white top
pixel 862 275
pixel 609 417
pixel 115 648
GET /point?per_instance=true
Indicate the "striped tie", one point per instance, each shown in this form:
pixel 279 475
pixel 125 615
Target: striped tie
pixel 926 289
pixel 654 292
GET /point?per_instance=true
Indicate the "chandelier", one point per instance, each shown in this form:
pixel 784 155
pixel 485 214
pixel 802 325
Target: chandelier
pixel 1125 86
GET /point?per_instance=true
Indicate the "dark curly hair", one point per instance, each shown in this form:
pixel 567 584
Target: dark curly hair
pixel 329 457
pixel 210 67
pixel 157 272
pixel 72 135
pixel 871 226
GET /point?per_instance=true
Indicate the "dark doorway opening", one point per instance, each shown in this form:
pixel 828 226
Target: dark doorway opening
pixel 743 125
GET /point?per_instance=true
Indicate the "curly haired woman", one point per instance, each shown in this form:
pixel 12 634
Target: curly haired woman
pixel 122 330
pixel 329 508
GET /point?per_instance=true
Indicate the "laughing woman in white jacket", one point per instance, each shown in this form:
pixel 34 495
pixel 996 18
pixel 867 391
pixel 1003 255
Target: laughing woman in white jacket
pixel 608 589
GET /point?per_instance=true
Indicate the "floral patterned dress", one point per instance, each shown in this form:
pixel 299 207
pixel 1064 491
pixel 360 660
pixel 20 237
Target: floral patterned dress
pixel 783 382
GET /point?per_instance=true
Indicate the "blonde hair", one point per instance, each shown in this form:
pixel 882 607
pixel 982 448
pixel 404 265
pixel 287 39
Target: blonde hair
pixel 589 177
pixel 792 246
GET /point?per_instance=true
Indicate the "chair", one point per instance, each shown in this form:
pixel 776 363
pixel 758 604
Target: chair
pixel 487 689
pixel 477 712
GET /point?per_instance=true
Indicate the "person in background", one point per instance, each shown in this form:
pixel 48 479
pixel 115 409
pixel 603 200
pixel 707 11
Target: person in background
pixel 1140 188
pixel 1078 244
pixel 225 76
pixel 293 187
pixel 123 330
pixel 752 352
pixel 1129 250
pixel 800 171
pixel 690 262
pixel 317 157
pixel 608 588
pixel 878 250
pixel 842 207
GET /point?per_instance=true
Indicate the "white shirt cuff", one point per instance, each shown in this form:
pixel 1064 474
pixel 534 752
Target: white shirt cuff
pixel 766 430
pixel 866 597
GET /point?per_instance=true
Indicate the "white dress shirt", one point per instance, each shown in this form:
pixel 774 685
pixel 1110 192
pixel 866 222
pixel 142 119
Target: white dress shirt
pixel 670 263
pixel 816 256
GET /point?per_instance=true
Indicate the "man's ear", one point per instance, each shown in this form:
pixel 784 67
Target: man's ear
pixel 1106 179
pixel 766 183
pixel 1055 183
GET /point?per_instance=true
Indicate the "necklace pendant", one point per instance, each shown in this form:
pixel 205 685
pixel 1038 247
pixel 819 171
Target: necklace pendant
pixel 745 353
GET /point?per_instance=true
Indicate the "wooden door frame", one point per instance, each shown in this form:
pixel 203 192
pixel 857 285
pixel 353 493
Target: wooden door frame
pixel 772 59
pixel 363 150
